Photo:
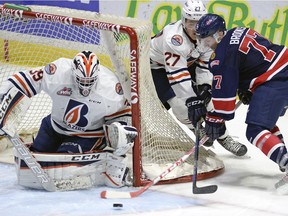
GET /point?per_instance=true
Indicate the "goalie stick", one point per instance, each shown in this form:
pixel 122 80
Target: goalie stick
pixel 126 194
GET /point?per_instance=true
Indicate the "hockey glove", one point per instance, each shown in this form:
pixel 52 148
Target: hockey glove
pixel 204 92
pixel 196 109
pixel 214 127
pixel 245 96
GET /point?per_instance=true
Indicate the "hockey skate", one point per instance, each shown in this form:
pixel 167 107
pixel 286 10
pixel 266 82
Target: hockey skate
pixel 233 146
pixel 282 186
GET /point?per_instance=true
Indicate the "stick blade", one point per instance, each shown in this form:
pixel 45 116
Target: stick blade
pixel 205 190
pixel 115 195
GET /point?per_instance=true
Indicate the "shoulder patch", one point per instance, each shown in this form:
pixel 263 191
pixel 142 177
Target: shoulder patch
pixel 213 55
pixel 50 69
pixel 65 91
pixel 118 89
pixel 214 62
pixel 177 40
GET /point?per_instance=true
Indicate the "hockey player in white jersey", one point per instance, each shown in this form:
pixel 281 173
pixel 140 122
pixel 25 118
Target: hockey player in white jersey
pixel 180 70
pixel 89 110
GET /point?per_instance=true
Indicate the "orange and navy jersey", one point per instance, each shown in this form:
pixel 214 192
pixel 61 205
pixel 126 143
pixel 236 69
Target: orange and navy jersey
pixel 72 114
pixel 173 50
pixel 243 60
pixel 24 81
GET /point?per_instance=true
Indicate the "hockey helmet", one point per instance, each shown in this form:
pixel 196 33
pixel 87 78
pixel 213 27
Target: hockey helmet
pixel 209 24
pixel 85 66
pixel 193 10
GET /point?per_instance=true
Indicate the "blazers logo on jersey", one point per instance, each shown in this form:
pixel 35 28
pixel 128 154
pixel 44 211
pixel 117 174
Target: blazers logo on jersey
pixel 177 40
pixel 74 116
pixel 50 69
pixel 65 91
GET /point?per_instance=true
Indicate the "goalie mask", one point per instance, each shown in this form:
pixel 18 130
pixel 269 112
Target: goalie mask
pixel 85 67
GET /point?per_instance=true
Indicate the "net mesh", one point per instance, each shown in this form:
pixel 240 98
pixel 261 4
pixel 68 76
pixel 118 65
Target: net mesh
pixel 35 41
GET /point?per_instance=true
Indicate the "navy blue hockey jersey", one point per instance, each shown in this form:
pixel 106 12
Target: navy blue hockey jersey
pixel 243 60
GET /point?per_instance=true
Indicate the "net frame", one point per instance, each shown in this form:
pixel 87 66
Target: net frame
pixel 149 131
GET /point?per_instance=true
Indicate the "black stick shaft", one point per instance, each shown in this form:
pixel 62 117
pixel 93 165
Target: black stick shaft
pixel 199 190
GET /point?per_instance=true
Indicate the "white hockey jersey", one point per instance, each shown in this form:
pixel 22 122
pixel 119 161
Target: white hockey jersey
pixel 72 113
pixel 173 50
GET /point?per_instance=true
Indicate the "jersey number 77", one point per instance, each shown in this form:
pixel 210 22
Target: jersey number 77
pixel 250 40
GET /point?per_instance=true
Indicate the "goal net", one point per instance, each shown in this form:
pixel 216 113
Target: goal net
pixel 33 38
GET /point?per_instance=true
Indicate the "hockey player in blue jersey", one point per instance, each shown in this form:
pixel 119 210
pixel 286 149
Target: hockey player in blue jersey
pixel 246 63
pixel 180 71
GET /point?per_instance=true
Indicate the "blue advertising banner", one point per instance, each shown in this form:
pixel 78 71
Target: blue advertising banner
pixel 53 30
pixel 89 5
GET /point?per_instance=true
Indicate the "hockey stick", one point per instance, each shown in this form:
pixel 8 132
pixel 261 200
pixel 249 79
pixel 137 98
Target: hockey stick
pixel 122 194
pixel 199 190
pixel 209 188
pixel 107 194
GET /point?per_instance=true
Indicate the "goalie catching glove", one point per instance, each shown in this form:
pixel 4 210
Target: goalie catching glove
pixel 120 137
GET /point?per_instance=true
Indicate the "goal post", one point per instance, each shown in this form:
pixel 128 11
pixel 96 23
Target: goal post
pixel 36 37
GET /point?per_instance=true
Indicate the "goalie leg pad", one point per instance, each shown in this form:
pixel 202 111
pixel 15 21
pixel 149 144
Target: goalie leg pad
pixel 120 137
pixel 117 173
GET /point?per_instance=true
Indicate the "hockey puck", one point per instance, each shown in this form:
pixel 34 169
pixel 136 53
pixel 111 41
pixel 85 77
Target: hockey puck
pixel 117 205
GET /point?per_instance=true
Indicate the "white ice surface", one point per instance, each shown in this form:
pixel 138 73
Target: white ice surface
pixel 244 189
